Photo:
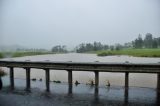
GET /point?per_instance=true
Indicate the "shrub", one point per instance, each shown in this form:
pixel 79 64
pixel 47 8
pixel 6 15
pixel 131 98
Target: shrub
pixel 2 73
pixel 1 55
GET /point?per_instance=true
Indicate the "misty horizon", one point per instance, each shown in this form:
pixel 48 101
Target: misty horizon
pixel 46 23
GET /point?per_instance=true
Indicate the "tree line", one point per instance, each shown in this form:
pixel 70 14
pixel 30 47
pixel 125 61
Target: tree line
pixel 91 47
pixel 148 42
pixel 59 49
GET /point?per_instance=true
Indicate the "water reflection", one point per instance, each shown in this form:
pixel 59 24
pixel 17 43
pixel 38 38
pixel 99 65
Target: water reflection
pixel 158 98
pixel 96 96
pixel 70 89
pixel 113 95
pixel 126 96
pixel 102 95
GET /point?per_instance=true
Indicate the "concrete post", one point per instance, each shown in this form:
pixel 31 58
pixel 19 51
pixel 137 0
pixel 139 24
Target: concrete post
pixel 126 88
pixel 70 89
pixel 28 84
pixel 47 80
pixel 96 78
pixel 11 78
pixel 70 77
pixel 69 81
pixel 126 79
pixel 158 81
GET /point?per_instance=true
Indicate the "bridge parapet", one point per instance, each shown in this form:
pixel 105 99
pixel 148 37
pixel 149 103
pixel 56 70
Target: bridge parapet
pixel 95 67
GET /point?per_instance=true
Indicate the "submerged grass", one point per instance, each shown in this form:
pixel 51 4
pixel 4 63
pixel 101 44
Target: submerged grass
pixel 132 52
pixel 21 54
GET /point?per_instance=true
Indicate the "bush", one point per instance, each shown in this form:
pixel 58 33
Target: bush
pixel 2 73
pixel 1 55
pixel 105 53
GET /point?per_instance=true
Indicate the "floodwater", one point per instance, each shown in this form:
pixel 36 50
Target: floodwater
pixel 116 79
pixel 81 95
pixel 141 91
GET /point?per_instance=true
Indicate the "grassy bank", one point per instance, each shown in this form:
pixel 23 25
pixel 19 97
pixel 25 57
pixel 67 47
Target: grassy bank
pixel 132 52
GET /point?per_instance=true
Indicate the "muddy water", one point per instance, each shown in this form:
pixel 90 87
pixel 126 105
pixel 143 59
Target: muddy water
pixel 116 79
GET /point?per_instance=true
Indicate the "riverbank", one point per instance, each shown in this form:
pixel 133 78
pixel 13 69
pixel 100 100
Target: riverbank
pixel 131 52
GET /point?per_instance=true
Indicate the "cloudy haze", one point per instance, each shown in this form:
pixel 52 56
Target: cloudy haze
pixel 46 23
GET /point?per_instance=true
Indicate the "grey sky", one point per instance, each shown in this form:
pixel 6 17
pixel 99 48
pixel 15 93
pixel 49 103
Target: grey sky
pixel 45 23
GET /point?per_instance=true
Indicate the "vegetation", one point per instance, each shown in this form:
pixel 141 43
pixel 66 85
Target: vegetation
pixel 20 54
pixel 1 55
pixel 139 43
pixel 132 52
pixel 2 73
pixel 31 52
pixel 59 49
pixel 147 42
pixel 147 47
pixel 96 46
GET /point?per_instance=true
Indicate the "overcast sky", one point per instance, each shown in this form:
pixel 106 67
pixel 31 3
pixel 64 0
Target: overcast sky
pixel 45 23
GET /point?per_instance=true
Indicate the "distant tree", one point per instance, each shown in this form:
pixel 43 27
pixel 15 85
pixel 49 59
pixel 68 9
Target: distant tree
pixel 158 40
pixel 81 48
pixel 128 45
pixel 138 43
pixel 89 47
pixel 111 47
pixel 59 49
pixel 105 47
pixel 148 40
pixel 118 47
pixel 155 43
pixel 97 46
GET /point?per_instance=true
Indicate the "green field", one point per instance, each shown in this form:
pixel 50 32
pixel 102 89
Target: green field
pixel 132 52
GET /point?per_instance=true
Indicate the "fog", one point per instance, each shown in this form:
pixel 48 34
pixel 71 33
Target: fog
pixel 46 23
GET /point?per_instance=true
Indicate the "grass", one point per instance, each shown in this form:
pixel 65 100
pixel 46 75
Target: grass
pixel 132 52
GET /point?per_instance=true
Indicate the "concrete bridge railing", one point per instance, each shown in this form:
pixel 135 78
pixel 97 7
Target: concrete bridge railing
pixel 95 67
